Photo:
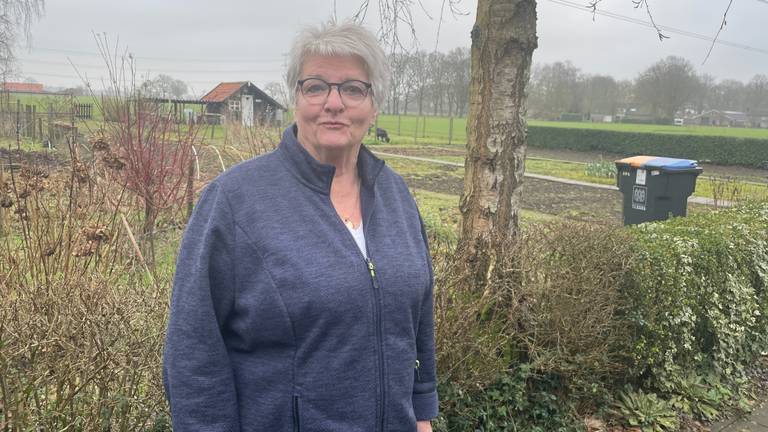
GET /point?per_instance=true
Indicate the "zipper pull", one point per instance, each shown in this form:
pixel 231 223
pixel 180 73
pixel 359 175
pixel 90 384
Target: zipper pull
pixel 371 268
pixel 417 369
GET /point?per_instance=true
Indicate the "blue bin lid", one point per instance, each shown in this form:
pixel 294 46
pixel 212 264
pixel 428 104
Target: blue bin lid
pixel 671 164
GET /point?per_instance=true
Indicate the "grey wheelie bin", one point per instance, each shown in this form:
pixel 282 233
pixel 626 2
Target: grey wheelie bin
pixel 655 188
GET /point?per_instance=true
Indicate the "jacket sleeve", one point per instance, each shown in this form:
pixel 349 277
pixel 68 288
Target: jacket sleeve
pixel 425 402
pixel 197 374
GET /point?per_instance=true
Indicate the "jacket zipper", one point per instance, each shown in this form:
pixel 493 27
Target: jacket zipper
pixel 379 337
pixel 417 366
pixel 296 420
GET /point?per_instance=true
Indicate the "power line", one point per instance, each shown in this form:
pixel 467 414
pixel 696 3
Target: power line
pixel 162 59
pixel 157 70
pixel 101 78
pixel 667 29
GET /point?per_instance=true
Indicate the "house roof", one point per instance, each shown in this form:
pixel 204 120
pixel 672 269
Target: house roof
pixel 23 87
pixel 731 115
pixel 221 92
pixel 224 90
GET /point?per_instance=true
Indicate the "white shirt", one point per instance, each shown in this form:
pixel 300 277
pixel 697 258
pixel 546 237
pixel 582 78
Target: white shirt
pixel 359 236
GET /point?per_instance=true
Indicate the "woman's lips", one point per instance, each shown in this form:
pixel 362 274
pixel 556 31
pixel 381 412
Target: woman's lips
pixel 333 125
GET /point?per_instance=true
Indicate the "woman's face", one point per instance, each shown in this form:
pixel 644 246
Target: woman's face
pixel 331 124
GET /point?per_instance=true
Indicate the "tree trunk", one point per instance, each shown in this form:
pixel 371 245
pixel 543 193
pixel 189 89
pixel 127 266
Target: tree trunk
pixel 503 41
pixel 421 101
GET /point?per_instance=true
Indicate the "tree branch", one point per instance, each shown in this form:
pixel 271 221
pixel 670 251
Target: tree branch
pixel 639 4
pixel 722 25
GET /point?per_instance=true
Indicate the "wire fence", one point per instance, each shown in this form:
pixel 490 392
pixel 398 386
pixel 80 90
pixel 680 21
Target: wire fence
pixel 424 129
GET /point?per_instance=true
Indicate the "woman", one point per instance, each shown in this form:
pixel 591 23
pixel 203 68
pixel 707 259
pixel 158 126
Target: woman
pixel 303 294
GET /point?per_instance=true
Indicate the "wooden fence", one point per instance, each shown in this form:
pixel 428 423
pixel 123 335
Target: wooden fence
pixel 50 127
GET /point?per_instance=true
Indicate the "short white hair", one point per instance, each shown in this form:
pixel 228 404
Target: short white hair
pixel 340 39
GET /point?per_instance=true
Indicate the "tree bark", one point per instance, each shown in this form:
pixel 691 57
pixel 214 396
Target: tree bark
pixel 503 41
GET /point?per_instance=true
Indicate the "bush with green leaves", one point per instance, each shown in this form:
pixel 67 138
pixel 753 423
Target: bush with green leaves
pixel 696 295
pixel 601 168
pixel 715 149
pixel 519 400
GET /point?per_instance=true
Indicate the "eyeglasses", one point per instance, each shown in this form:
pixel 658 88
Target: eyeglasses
pixel 351 92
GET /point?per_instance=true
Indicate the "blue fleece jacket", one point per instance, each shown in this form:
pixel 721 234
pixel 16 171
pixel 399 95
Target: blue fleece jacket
pixel 278 322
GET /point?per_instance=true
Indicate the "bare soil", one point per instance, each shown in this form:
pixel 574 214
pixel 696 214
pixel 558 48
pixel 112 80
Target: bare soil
pixel 731 171
pixel 571 201
pixel 15 157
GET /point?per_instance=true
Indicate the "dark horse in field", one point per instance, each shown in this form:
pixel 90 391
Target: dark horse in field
pixel 381 135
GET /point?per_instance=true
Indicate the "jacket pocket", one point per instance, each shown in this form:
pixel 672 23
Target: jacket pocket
pixel 296 415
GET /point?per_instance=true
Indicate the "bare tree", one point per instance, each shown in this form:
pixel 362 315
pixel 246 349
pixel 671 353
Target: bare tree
pixel 554 88
pixel 164 86
pixel 600 94
pixel 503 41
pixel 667 85
pixel 420 68
pixel 458 61
pixel 278 91
pixel 756 97
pixel 16 17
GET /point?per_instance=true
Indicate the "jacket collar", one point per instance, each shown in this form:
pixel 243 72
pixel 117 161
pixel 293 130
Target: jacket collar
pixel 318 176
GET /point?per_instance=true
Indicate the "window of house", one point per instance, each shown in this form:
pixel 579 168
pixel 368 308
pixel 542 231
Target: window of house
pixel 234 105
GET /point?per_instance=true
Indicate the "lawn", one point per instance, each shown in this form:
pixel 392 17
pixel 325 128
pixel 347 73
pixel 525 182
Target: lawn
pixel 438 129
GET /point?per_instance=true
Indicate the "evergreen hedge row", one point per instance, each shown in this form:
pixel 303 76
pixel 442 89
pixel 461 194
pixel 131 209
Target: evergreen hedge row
pixel 637 326
pixel 719 150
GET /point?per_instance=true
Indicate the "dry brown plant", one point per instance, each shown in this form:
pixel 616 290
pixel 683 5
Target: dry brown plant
pixel 241 142
pixel 570 319
pixel 725 189
pixel 473 329
pixel 80 323
pixel 552 302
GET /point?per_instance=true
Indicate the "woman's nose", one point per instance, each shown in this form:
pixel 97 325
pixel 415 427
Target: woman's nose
pixel 334 102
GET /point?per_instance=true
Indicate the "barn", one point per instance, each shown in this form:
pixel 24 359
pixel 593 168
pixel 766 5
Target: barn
pixel 241 102
pixel 722 118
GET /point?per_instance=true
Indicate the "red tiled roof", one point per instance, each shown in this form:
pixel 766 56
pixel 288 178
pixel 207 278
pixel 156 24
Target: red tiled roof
pixel 222 91
pixel 23 87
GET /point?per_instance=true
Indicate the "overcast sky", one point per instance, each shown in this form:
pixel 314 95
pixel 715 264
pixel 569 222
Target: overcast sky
pixel 205 42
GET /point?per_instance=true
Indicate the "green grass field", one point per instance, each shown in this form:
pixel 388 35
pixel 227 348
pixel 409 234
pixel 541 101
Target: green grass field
pixel 403 129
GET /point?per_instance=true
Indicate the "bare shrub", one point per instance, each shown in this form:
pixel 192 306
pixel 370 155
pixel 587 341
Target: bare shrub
pixel 473 329
pixel 571 322
pixel 725 189
pixel 552 301
pixel 81 354
pixel 242 143
pixel 80 328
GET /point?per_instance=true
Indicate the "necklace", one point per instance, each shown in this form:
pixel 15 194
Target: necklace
pixel 347 219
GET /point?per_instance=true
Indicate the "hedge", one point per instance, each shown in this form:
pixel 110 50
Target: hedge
pixel 719 150
pixel 697 295
pixel 656 321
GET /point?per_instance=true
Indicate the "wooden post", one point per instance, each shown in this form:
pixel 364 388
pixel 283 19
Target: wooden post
pixel 450 131
pixel 51 138
pixel 189 193
pixel 40 129
pixel 416 130
pixel 18 124
pixel 33 121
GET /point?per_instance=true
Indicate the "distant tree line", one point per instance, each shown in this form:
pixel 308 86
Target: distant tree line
pixel 435 83
pixel 429 83
pixel 664 90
